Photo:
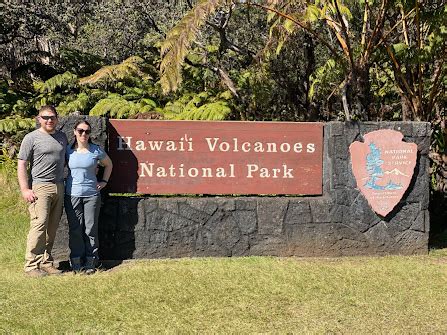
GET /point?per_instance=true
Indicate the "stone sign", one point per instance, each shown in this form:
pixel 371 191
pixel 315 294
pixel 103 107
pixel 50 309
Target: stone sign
pixel 190 157
pixel 340 222
pixel 383 167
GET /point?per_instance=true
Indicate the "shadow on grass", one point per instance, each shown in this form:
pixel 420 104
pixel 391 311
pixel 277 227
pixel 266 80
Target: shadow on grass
pixel 438 219
pixel 438 240
pixel 104 265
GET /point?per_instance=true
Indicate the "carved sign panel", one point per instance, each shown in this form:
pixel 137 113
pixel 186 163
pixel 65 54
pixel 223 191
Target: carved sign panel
pixel 195 157
pixel 383 167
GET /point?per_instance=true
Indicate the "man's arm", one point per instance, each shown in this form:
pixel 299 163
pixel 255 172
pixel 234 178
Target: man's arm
pixel 22 175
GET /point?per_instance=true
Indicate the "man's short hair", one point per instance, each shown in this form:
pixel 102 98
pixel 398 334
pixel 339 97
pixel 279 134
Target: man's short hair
pixel 48 108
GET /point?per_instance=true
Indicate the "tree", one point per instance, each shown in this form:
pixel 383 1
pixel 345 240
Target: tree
pixel 41 39
pixel 355 43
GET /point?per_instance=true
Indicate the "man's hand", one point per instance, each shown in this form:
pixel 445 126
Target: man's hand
pixel 29 195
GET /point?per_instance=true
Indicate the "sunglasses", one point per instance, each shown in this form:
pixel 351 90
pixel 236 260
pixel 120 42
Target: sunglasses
pixel 82 131
pixel 48 117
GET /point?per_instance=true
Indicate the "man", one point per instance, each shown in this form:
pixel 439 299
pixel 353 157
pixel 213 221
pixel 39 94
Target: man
pixel 44 150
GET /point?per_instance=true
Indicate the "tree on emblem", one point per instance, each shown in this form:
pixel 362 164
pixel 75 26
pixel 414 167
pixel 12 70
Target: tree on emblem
pixel 374 167
pixel 375 172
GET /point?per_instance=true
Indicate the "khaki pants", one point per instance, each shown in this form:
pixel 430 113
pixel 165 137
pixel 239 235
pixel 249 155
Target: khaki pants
pixel 45 215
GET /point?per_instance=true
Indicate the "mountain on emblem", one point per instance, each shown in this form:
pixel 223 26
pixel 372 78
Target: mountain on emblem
pixel 383 166
pixel 397 172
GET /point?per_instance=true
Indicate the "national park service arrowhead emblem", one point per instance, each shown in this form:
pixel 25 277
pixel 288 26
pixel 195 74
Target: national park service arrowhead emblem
pixel 383 167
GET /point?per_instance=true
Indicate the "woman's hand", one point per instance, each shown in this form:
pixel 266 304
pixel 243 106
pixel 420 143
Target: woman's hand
pixel 100 185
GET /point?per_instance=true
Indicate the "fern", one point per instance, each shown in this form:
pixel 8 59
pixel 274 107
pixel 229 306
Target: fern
pixel 21 107
pixel 226 95
pixel 116 106
pixel 148 102
pixel 77 104
pixel 173 109
pixel 178 42
pixel 12 124
pixel 201 106
pixel 215 111
pixel 131 67
pixel 65 80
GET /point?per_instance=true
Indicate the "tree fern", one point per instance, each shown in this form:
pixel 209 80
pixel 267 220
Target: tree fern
pixel 64 81
pixel 173 109
pixel 120 108
pixel 201 106
pixel 104 106
pixel 148 102
pixel 76 104
pixel 215 111
pixel 130 67
pixel 178 42
pixel 13 124
pixel 22 107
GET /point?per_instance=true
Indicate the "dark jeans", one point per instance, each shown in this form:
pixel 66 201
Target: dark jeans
pixel 82 215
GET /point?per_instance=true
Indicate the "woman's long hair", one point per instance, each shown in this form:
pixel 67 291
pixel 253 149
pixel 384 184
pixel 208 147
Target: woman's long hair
pixel 76 126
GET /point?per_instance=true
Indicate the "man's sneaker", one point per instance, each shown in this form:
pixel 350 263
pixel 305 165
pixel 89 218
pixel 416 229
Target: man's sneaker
pixel 51 270
pixel 35 273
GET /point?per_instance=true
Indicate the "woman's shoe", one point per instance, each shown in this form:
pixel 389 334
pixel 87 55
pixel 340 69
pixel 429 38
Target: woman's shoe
pixel 90 271
pixel 89 266
pixel 76 264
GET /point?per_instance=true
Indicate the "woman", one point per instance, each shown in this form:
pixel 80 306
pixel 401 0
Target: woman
pixel 83 198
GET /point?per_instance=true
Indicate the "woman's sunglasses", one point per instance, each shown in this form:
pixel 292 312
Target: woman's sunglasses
pixel 82 131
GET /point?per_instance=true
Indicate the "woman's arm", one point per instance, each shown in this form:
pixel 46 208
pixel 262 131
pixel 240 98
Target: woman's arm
pixel 108 165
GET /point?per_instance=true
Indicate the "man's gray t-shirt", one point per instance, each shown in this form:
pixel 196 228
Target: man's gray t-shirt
pixel 46 154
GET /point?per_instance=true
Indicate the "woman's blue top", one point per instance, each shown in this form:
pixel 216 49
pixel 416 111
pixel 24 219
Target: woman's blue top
pixel 81 180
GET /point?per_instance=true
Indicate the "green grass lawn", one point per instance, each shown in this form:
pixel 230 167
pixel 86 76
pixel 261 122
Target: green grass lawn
pixel 222 295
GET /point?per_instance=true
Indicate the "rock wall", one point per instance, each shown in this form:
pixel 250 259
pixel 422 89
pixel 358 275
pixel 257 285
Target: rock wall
pixel 338 223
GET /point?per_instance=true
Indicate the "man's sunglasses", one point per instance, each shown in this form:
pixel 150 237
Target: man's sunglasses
pixel 48 117
pixel 82 131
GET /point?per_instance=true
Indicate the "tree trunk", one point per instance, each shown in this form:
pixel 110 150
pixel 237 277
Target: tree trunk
pixel 406 108
pixel 309 54
pixel 359 93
